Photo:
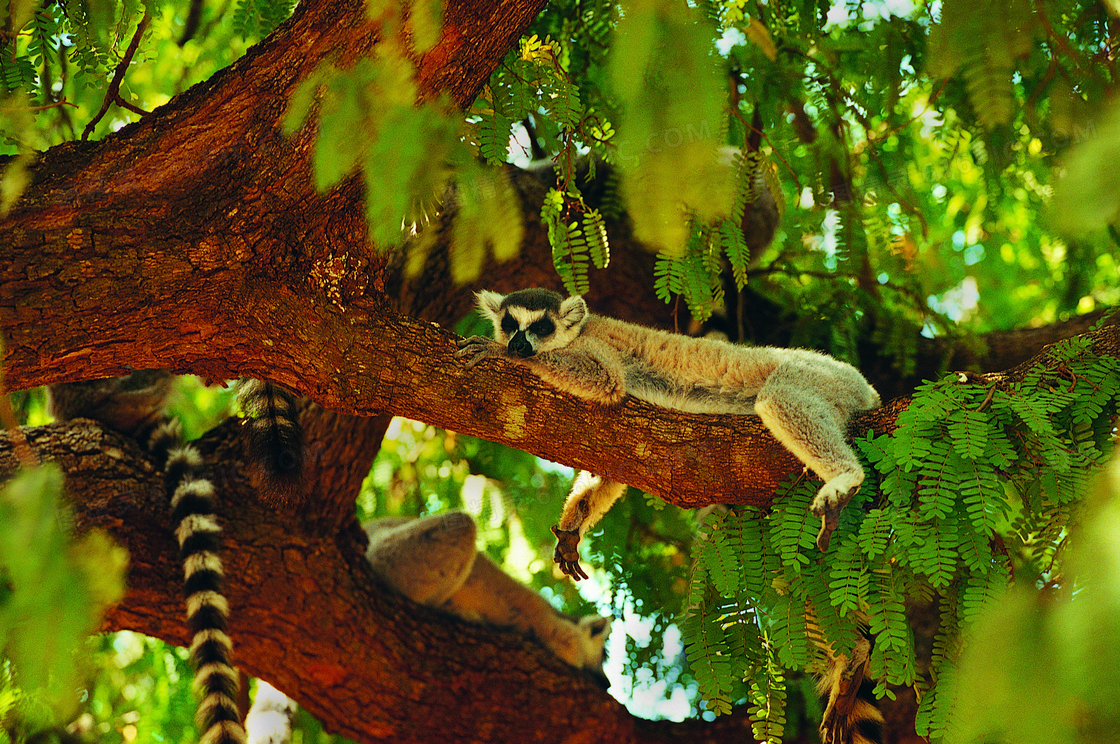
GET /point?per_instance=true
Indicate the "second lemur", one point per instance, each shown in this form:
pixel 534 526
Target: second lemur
pixel 434 561
pixel 805 398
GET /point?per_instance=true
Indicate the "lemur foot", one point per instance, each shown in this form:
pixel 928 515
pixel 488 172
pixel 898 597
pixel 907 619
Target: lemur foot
pixel 567 553
pixel 477 348
pixel 831 500
pixel 850 715
pixel 829 522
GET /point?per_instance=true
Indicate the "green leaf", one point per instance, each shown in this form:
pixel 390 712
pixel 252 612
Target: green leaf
pixel 58 586
pixel 664 71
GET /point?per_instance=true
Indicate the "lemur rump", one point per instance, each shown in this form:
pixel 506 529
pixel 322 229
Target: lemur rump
pixel 434 561
pixel 804 397
pixel 134 405
pixel 273 438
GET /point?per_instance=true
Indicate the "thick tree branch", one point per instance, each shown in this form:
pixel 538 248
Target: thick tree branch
pixel 310 617
pixel 358 648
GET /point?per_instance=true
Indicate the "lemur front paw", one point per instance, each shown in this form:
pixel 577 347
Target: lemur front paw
pixel 477 348
pixel 566 554
pixel 831 500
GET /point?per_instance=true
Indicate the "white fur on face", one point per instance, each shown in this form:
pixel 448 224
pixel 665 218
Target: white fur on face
pixel 489 303
pixel 567 321
pixel 524 316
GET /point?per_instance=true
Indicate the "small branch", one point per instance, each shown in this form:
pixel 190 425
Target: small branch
pixel 113 94
pixel 56 104
pixel 130 107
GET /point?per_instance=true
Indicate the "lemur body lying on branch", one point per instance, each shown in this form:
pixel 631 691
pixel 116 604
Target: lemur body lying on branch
pixel 434 561
pixel 804 397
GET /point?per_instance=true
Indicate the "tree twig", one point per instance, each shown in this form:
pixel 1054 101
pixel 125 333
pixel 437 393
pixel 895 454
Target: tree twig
pixel 113 94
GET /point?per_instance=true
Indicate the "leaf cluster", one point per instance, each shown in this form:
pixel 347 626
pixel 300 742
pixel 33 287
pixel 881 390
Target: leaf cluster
pixel 977 487
pixel 53 588
pixel 58 60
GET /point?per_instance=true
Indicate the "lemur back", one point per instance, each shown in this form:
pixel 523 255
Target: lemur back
pixel 135 406
pixel 434 561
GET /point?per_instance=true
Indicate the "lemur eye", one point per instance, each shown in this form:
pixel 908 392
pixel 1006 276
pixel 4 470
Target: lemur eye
pixel 509 325
pixel 542 328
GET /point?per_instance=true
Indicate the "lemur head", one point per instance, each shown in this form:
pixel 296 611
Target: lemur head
pixel 530 321
pixel 589 649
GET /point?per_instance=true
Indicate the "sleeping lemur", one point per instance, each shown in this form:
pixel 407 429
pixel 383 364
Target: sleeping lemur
pixel 434 561
pixel 135 406
pixel 804 397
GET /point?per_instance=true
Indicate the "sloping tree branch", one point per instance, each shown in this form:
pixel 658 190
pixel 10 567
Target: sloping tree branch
pixel 356 646
pixel 195 240
pixel 311 618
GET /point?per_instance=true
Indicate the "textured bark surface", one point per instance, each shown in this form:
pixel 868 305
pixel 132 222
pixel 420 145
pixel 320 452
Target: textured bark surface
pixel 195 240
pixel 311 618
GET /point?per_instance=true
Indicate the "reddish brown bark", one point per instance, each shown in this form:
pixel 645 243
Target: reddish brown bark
pixel 311 618
pixel 195 240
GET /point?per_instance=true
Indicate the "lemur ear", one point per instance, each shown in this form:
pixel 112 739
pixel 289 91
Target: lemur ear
pixel 489 303
pixel 573 312
pixel 596 625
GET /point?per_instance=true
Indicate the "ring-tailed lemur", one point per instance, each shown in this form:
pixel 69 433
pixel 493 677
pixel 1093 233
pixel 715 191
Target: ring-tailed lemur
pixel 851 715
pixel 434 561
pixel 804 397
pixel 135 406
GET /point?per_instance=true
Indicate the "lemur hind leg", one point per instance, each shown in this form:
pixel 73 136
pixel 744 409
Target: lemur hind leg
pixel 793 405
pixel 591 497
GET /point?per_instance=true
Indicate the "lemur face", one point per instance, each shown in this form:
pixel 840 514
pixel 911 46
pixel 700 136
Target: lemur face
pixel 531 321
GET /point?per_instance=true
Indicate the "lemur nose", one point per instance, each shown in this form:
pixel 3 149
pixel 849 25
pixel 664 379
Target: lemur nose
pixel 520 345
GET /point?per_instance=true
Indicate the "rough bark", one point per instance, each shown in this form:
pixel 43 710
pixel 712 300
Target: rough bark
pixel 195 240
pixel 310 617
pixel 356 647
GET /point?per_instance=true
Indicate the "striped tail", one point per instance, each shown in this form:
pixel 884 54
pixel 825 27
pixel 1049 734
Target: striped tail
pixel 193 505
pixel 274 439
